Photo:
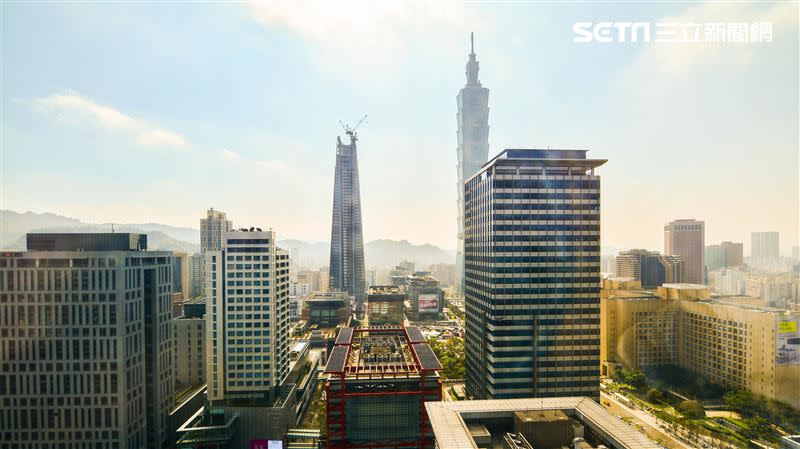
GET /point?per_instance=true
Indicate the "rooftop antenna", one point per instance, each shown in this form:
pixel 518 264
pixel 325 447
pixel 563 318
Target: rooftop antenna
pixel 352 131
pixel 472 42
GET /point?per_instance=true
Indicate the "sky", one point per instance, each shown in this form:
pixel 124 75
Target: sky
pixel 153 112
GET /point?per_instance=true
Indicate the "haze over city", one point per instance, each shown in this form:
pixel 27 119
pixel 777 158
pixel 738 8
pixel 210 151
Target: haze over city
pixel 155 112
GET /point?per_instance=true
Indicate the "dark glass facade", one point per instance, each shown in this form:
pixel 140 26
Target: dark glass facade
pixel 532 276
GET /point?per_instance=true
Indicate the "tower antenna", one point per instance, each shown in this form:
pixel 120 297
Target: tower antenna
pixel 472 42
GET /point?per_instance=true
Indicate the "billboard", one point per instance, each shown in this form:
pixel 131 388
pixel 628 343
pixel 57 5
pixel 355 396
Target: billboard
pixel 428 303
pixel 787 341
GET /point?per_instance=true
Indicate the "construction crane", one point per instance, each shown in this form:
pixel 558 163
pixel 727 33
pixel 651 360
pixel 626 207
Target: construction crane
pixel 352 131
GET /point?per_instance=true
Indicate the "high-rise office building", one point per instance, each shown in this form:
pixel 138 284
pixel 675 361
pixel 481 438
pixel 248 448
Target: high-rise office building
pixel 650 267
pixel 714 257
pixel 734 253
pixel 247 313
pixel 473 144
pixel 532 294
pixel 726 254
pixel 196 275
pixel 686 238
pixel 86 343
pixel 211 229
pixel 764 247
pixel 180 274
pixel 190 350
pixel 347 239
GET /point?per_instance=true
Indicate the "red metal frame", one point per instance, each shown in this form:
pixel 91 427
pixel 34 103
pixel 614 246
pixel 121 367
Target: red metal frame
pixel 336 439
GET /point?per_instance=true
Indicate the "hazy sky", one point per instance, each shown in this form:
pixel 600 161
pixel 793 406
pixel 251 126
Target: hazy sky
pixel 154 112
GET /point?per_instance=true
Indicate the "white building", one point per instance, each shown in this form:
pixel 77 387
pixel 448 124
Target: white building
pixel 211 229
pixel 190 351
pixel 247 291
pixel 300 288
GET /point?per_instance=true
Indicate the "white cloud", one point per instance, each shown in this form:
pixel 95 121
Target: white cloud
pixel 229 154
pixel 367 34
pixel 75 108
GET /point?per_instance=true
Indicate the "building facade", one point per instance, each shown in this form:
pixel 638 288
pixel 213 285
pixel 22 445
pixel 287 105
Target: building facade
pixel 425 295
pixel 686 238
pixel 247 291
pixel 734 253
pixel 346 272
pixel 212 227
pixel 386 305
pixel 190 350
pixel 532 293
pixel 196 275
pixel 473 144
pixel 377 381
pixel 765 247
pixel 649 267
pixel 724 339
pixel 181 281
pixel 86 345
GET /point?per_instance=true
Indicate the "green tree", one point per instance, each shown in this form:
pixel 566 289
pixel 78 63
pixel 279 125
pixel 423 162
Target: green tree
pixel 655 395
pixel 451 355
pixel 692 409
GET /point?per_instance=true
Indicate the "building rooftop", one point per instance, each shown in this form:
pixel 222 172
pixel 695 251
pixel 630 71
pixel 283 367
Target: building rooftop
pixel 381 351
pixel 94 241
pixel 326 297
pixel 384 290
pixel 685 286
pixel 539 157
pixel 448 420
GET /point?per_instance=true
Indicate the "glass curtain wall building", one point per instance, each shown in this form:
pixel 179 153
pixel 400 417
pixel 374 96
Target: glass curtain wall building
pixel 347 239
pixel 532 290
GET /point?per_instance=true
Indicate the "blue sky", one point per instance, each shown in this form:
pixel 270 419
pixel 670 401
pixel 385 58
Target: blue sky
pixel 146 112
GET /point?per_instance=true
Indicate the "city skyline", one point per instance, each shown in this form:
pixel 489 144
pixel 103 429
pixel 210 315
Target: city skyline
pixel 146 108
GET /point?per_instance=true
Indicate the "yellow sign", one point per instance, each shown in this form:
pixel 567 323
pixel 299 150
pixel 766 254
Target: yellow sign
pixel 787 327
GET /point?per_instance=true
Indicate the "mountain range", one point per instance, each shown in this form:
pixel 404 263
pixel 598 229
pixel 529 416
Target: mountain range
pixel 378 253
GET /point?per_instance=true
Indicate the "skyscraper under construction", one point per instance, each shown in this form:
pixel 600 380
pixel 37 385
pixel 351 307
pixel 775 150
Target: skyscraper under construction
pixel 347 239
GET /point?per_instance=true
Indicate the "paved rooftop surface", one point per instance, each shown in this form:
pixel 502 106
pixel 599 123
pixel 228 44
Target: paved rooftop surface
pixel 447 420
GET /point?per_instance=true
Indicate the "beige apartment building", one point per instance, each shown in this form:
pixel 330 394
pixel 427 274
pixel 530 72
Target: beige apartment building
pixel 725 339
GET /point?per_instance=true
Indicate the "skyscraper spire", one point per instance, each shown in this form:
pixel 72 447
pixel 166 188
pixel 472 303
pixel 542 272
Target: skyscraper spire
pixel 472 44
pixel 472 65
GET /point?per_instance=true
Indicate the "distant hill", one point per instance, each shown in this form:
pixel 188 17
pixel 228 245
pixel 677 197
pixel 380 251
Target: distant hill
pixel 378 253
pixel 307 254
pixel 385 253
pixel 15 225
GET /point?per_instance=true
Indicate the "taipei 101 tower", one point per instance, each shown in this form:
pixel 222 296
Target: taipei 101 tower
pixel 473 143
